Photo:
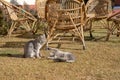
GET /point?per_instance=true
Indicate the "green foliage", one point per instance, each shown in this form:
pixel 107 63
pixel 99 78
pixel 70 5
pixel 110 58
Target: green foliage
pixel 40 26
pixel 3 30
pixel 4 26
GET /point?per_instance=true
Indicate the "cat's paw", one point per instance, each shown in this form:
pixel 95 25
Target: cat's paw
pixel 70 61
pixel 38 57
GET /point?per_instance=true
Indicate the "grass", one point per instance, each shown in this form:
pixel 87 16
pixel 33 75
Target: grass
pixel 100 61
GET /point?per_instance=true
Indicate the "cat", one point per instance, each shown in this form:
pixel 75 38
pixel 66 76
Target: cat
pixel 32 47
pixel 61 56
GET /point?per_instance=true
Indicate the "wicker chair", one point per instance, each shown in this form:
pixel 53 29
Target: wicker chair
pixel 18 16
pixel 113 24
pixel 65 16
pixel 97 10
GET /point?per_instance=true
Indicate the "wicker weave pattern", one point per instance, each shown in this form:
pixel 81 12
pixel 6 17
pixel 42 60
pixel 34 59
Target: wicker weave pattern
pixel 66 16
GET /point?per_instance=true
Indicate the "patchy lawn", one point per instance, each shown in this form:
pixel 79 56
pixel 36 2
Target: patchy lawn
pixel 100 61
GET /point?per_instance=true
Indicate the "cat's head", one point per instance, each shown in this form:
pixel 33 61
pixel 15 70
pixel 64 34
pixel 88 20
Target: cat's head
pixel 42 38
pixel 52 53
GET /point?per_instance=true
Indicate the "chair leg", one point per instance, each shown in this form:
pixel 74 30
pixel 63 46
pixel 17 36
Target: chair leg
pixel 81 35
pixel 91 35
pixel 108 35
pixel 11 28
pixel 83 40
pixel 79 31
pixel 108 31
pixel 118 32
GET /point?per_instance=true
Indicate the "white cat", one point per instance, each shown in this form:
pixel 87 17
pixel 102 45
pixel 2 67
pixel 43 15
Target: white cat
pixel 61 56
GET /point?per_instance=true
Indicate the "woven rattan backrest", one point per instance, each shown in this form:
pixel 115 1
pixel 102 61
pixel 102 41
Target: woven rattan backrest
pixel 65 11
pixel 98 8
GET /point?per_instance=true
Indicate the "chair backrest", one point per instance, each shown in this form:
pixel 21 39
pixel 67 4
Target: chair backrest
pixel 16 12
pixel 40 6
pixel 114 16
pixel 12 14
pixel 68 13
pixel 98 8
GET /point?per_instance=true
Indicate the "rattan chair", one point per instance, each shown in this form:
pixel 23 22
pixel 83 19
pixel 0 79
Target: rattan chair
pixel 18 16
pixel 97 11
pixel 65 17
pixel 113 24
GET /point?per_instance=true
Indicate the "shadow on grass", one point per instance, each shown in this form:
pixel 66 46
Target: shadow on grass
pixel 95 38
pixel 13 45
pixel 11 55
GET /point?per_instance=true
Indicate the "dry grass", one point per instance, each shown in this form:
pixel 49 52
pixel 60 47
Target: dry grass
pixel 100 61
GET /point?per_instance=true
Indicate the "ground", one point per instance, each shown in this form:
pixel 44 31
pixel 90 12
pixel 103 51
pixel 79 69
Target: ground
pixel 100 61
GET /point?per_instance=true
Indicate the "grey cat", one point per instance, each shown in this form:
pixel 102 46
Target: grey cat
pixel 32 48
pixel 61 56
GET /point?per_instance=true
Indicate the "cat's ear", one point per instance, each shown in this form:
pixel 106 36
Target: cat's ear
pixel 44 36
pixel 41 36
